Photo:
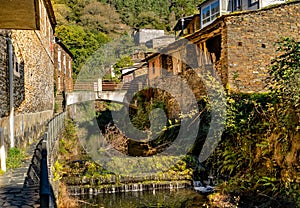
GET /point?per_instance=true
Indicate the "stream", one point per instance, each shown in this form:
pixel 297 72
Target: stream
pixel 144 199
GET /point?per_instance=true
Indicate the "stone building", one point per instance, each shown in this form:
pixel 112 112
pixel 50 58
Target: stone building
pixel 63 67
pixel 160 42
pixel 210 10
pixel 187 25
pixel 141 36
pixel 238 47
pixel 62 74
pixel 137 70
pixel 136 76
pixel 22 118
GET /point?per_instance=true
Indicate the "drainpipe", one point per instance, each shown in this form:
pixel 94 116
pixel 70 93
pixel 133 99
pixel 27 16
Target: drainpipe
pixel 11 92
pixel 2 151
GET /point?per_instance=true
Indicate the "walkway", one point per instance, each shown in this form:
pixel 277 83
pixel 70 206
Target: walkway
pixel 13 193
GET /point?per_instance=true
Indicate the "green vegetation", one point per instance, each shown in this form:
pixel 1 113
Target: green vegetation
pixel 158 14
pixel 81 42
pixel 124 61
pixel 86 25
pixel 14 158
pixel 260 148
pixel 75 167
pixel 114 16
pixel 55 107
pixel 68 146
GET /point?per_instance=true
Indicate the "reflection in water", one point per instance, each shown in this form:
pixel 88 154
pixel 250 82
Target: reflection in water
pixel 143 199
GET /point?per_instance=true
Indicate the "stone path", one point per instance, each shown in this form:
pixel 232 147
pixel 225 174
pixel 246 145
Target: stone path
pixel 13 193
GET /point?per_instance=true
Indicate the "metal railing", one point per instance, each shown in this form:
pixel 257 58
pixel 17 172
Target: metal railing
pixel 50 139
pixel 92 86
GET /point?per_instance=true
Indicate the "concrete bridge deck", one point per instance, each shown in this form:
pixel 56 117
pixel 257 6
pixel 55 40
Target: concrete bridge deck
pixel 83 96
pixel 89 90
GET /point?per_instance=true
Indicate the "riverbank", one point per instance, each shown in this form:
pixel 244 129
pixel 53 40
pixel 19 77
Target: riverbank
pixel 80 175
pixel 254 166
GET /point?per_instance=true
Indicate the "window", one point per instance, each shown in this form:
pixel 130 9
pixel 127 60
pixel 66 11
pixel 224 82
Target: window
pixel 59 59
pixel 236 5
pixel 179 65
pixel 58 84
pixel 215 10
pixel 252 2
pixel 70 68
pixel 16 65
pixel 210 13
pixel 65 65
pixel 206 15
pixel 153 69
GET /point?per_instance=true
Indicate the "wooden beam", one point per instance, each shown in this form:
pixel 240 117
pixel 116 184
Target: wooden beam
pixel 19 14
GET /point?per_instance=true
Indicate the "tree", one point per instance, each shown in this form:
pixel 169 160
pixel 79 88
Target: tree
pixel 81 43
pixel 63 14
pixel 124 61
pixel 102 17
pixel 160 11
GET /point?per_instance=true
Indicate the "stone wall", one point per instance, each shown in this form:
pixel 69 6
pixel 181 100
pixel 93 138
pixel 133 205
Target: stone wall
pixel 144 35
pixel 249 45
pixel 162 41
pixel 4 99
pixel 38 71
pixel 28 127
pixel 155 69
pixel 18 76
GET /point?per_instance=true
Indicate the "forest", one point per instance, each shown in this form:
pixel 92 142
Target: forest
pixel 85 25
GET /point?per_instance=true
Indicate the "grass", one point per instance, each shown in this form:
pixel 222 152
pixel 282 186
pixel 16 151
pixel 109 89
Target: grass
pixel 14 158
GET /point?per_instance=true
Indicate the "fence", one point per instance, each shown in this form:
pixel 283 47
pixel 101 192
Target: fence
pixel 93 86
pixel 49 152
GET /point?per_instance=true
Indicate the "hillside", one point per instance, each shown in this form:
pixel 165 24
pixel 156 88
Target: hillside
pixel 114 16
pixel 85 25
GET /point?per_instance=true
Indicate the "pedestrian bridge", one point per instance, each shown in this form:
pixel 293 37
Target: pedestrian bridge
pixel 83 96
pixel 87 90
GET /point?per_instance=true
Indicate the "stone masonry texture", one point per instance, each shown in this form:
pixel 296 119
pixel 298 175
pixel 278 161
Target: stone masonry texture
pixel 241 46
pixel 38 71
pixel 33 82
pixel 19 93
pixel 4 101
pixel 250 44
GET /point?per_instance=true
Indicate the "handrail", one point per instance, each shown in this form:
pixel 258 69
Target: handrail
pixel 45 190
pixel 53 129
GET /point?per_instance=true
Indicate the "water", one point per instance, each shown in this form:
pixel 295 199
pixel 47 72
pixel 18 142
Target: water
pixel 144 199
